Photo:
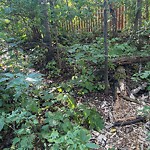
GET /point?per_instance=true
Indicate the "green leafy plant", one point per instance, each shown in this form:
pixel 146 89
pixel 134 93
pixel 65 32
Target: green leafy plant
pixel 75 138
pixel 85 59
pixel 121 49
pixel 53 69
pixel 57 128
pixel 144 76
pixel 38 56
pixel 89 117
pixel 39 117
pixel 146 112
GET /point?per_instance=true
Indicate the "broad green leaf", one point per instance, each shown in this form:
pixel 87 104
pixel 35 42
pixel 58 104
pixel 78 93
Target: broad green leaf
pixel 145 75
pixel 35 75
pixel 83 136
pixel 21 131
pixel 33 106
pixel 16 140
pixel 9 75
pixel 92 145
pixel 31 80
pixel 55 147
pixel 35 121
pixel 20 75
pixel 2 123
pixel 47 95
pixel 4 79
pixel 79 56
pixel 71 102
pixel 54 134
pixel 66 125
pixel 96 121
pixel 12 44
pixel 1 102
pixel 86 112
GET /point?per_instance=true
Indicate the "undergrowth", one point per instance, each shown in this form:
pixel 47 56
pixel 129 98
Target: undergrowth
pixel 36 116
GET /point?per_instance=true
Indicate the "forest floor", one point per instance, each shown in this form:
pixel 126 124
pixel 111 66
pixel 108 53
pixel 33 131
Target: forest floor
pixel 128 137
pixel 133 136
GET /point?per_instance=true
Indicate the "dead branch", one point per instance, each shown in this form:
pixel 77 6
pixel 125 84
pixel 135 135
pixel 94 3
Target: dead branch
pixel 130 60
pixel 129 122
pixel 141 87
pixel 132 100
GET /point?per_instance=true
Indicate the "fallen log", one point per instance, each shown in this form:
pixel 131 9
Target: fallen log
pixel 135 120
pixel 130 60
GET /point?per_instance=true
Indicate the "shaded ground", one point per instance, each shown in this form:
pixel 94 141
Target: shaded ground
pixel 129 137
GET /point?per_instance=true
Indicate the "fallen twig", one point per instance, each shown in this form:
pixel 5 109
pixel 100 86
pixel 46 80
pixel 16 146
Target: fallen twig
pixel 133 100
pixel 130 99
pixel 129 122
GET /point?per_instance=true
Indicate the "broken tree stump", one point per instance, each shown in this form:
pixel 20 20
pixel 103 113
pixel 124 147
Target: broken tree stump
pixel 122 108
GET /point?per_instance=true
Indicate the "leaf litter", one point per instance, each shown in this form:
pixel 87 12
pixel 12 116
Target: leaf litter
pixel 129 137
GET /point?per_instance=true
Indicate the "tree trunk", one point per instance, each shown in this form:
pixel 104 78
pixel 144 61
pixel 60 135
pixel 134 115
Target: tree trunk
pixel 114 20
pixel 46 30
pixel 55 28
pixel 138 17
pixel 36 35
pixel 147 10
pixel 106 47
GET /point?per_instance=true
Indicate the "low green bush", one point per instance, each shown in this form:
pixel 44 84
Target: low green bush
pixel 34 115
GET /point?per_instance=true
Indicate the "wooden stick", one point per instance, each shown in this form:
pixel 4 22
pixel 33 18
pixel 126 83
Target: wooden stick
pixel 129 122
pixel 130 99
pixel 133 100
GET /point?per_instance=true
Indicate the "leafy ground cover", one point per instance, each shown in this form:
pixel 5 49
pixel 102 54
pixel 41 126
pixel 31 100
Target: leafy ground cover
pixel 37 115
pixel 69 69
pixel 62 108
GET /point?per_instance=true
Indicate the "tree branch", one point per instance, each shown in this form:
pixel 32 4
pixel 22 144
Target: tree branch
pixel 130 60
